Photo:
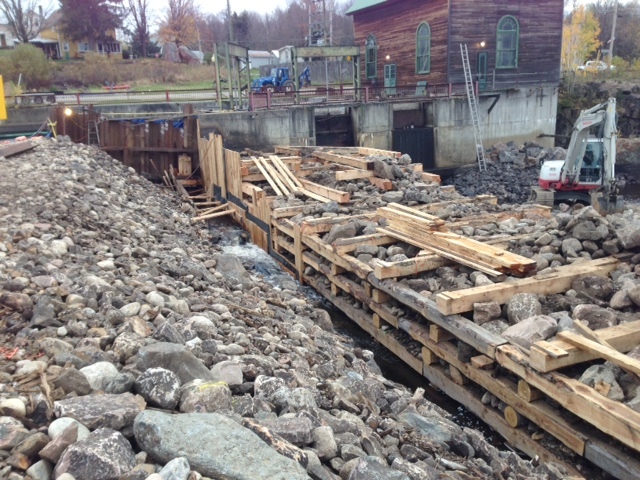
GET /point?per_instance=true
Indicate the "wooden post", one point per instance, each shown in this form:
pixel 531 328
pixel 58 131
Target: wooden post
pixel 297 245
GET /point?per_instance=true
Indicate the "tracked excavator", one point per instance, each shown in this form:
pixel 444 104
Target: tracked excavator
pixel 587 175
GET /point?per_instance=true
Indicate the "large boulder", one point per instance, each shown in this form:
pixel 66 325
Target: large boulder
pixel 372 468
pixel 232 269
pixel 522 306
pixel 103 455
pixel 95 411
pixel 531 330
pixel 595 317
pixel 593 287
pixel 175 358
pixel 224 448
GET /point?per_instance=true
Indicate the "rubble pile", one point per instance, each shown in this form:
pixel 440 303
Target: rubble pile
pixel 132 348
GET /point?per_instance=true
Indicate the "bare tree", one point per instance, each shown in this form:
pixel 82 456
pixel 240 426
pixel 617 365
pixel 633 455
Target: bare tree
pixel 25 17
pixel 180 23
pixel 139 18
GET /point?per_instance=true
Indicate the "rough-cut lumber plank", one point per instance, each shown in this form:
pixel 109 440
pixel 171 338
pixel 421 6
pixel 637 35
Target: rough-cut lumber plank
pixel 272 182
pixel 315 196
pixel 621 337
pixel 482 362
pixel 439 334
pixel 396 212
pixel 384 312
pixel 286 173
pixel 621 465
pixel 273 173
pixel 286 212
pixel 540 413
pixel 381 183
pixel 347 245
pixel 467 331
pixel 434 207
pixel 15 148
pixel 362 270
pixel 456 376
pixel 518 438
pixel 543 284
pixel 211 215
pixel 344 160
pixel 430 177
pixel 330 193
pixel 623 361
pixel 443 253
pixel 611 417
pixel 377 151
pixel 297 242
pixel 353 174
pixel 281 170
pixel 323 225
pixel 428 357
pixel 289 150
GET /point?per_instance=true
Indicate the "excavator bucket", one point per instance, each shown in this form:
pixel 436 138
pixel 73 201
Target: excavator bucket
pixel 607 204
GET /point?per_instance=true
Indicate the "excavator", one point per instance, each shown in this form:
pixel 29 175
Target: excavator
pixel 587 175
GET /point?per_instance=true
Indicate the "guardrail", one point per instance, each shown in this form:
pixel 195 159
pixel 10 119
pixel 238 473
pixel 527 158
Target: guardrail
pixel 324 95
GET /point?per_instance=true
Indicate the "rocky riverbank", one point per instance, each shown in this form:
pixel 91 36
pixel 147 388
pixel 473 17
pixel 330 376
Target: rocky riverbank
pixel 132 348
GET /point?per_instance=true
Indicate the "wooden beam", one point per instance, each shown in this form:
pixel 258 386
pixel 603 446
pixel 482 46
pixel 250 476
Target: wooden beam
pixel 347 245
pixel 463 328
pixel 344 160
pixel 272 182
pixel 211 215
pixel 376 151
pixel 609 416
pixel 16 147
pixel 330 193
pixel 528 393
pixel 623 361
pixel 354 174
pixel 621 337
pixel 430 177
pixel 545 283
pixel 381 183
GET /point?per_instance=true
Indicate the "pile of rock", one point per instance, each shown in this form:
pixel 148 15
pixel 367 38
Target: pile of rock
pixel 133 349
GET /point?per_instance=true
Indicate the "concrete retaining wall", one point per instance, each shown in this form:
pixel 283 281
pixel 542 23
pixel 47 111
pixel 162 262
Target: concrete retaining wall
pixel 518 115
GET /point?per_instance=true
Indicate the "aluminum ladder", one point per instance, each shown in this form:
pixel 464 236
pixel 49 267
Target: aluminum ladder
pixel 473 107
pixel 93 135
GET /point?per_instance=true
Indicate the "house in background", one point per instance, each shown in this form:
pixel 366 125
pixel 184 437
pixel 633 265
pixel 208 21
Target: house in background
pixel 56 45
pixel 7 40
pixel 514 53
pixel 260 58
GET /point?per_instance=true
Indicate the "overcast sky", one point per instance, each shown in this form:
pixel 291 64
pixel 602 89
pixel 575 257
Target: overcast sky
pixel 258 6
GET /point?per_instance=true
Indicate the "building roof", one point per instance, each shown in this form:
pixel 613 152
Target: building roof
pixel 259 54
pixel 362 4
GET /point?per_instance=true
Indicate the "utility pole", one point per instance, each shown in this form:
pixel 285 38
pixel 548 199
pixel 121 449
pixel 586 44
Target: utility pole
pixel 229 21
pixel 613 32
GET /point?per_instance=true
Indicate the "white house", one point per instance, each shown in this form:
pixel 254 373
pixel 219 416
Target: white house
pixel 260 58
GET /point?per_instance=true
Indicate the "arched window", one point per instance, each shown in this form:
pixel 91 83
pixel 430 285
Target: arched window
pixel 507 44
pixel 423 48
pixel 371 57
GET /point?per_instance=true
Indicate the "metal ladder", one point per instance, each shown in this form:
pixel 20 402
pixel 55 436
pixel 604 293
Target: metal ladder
pixel 93 135
pixel 473 107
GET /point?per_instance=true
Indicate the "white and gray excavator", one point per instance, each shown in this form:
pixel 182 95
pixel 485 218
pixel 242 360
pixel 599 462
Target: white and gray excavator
pixel 587 175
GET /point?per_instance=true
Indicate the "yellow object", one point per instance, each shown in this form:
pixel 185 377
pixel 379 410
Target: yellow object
pixel 3 106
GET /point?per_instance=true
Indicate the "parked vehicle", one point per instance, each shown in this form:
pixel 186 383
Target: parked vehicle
pixel 587 175
pixel 279 81
pixel 595 66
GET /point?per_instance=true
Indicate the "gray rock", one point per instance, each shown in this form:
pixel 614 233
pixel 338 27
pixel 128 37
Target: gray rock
pixel 40 470
pixel 593 287
pixel 59 426
pixel 175 358
pixel 629 234
pixel 433 427
pixel 485 312
pixel 103 455
pixel 71 380
pixel 168 333
pixel 12 433
pixel 294 398
pixel 32 444
pixel 634 294
pixel 324 443
pixel 297 431
pixel 53 346
pixel 176 469
pixel 522 306
pixel 383 170
pixel 571 247
pixel 595 317
pixel 201 396
pixel 95 411
pixel 222 450
pixel 393 196
pixel 341 231
pixel 159 387
pixel 232 269
pixel 99 374
pixel 603 380
pixel 531 330
pixel 621 300
pixel 587 230
pixel 372 468
pixel 229 372
pixel 123 383
pixel 54 449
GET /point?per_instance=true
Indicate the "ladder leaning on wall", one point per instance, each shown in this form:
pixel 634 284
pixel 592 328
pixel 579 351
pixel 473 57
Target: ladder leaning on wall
pixel 473 107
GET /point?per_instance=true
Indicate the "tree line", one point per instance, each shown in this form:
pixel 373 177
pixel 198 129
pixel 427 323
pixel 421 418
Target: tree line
pixel 588 31
pixel 180 21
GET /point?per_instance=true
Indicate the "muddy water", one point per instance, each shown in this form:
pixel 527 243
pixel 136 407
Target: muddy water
pixel 259 263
